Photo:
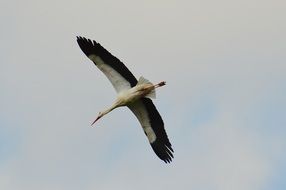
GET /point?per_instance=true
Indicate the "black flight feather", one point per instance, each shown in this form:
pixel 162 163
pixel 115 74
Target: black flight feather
pixel 161 146
pixel 93 48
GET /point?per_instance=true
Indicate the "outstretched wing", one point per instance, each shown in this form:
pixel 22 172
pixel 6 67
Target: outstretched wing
pixel 153 126
pixel 118 74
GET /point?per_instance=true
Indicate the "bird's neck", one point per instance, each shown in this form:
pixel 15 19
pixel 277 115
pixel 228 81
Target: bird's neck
pixel 115 105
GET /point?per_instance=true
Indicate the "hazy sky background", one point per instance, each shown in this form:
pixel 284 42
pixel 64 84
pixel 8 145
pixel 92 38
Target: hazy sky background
pixel 223 105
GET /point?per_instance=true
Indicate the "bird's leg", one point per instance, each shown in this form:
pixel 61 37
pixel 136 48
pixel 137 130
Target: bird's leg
pixel 160 84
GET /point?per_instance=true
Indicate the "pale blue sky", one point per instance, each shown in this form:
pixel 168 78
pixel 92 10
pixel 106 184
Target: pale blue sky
pixel 223 105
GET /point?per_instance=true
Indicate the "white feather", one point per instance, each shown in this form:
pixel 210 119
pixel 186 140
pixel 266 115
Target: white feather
pixel 142 80
pixel 119 83
pixel 142 115
pixel 151 94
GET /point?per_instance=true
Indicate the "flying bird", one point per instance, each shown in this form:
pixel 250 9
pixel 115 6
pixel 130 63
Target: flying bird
pixel 131 93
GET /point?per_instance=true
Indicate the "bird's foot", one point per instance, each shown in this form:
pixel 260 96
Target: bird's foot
pixel 160 84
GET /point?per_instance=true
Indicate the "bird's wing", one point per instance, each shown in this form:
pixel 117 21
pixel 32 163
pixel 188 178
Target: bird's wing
pixel 118 74
pixel 153 126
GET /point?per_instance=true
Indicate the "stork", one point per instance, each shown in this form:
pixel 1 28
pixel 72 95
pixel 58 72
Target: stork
pixel 131 93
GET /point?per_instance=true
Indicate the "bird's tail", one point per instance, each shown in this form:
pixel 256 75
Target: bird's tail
pixel 151 94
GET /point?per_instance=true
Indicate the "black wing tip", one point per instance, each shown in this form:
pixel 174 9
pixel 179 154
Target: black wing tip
pixel 163 151
pixel 86 45
pixel 161 146
pixel 81 39
pixel 91 47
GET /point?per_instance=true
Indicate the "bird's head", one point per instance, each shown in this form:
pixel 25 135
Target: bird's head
pixel 100 114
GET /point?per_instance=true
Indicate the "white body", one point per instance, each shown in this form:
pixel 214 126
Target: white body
pixel 131 95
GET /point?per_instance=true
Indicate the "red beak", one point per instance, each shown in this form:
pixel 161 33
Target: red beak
pixel 95 120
